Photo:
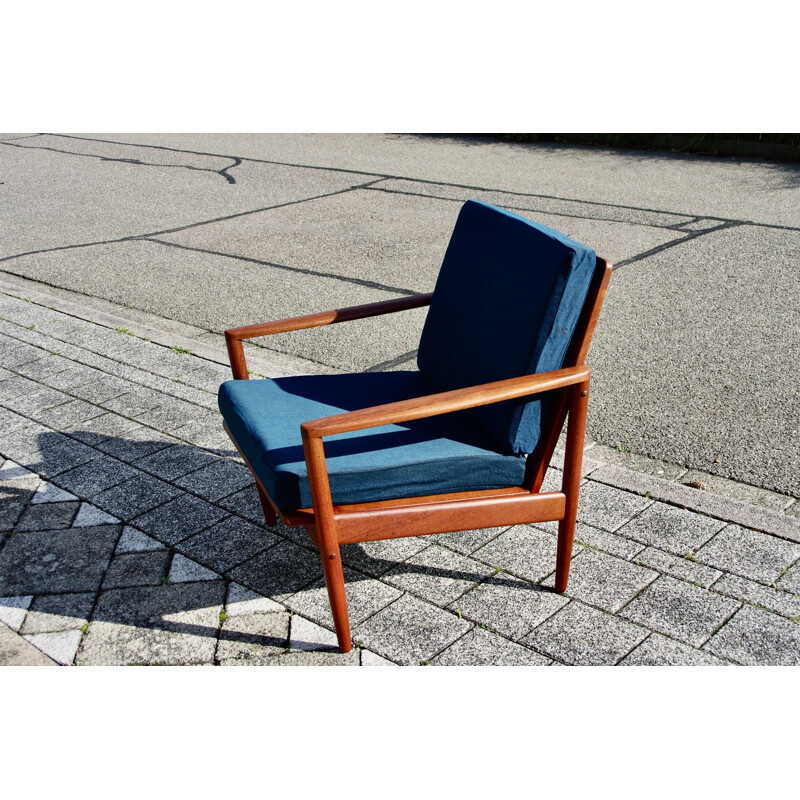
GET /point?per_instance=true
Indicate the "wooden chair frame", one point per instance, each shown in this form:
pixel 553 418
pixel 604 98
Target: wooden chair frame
pixel 331 526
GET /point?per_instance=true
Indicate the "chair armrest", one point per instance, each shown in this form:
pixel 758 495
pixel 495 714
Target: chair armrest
pixel 444 402
pixel 234 336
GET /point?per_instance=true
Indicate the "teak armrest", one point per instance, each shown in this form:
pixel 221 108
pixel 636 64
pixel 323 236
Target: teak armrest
pixel 234 336
pixel 444 402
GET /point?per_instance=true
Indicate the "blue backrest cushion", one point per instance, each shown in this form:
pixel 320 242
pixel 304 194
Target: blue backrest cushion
pixel 506 303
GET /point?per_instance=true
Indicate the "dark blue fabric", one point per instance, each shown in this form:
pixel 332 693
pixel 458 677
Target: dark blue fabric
pixel 506 303
pixel 448 453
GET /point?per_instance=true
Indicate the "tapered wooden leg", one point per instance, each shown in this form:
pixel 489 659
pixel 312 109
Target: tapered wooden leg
pixel 573 458
pixel 334 581
pixel 269 512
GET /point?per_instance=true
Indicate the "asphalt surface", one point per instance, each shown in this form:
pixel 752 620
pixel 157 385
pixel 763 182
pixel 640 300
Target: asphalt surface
pixel 695 356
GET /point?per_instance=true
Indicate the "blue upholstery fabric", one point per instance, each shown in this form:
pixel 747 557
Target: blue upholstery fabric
pixel 448 453
pixel 506 303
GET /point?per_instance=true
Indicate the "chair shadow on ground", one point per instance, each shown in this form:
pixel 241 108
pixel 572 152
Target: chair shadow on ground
pixel 138 589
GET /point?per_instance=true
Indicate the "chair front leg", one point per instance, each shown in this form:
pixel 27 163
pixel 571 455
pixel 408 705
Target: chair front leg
pixel 328 541
pixel 269 512
pixel 570 486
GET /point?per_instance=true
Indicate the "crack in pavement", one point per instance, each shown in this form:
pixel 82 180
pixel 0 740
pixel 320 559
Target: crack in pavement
pixel 136 161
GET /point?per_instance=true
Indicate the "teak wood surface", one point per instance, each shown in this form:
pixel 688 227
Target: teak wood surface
pixel 329 525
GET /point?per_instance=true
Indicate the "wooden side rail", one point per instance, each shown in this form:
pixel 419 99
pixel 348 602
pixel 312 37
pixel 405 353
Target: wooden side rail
pixel 234 336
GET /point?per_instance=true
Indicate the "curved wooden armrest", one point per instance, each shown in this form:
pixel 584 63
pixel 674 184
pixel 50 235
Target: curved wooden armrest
pixel 444 402
pixel 234 336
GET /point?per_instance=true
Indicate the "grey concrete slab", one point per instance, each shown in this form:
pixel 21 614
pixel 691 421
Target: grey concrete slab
pixel 672 182
pixel 686 569
pixel 790 580
pixel 64 199
pixel 658 650
pixel 481 648
pixel 179 519
pixel 785 603
pixel 508 605
pixel 252 637
pixel 137 569
pixel 756 637
pixel 582 635
pixel 95 476
pixel 280 571
pixel 228 543
pixel 607 508
pixel 171 624
pixel 690 358
pixel 438 575
pixel 17 652
pixel 175 461
pixel 216 479
pixel 135 496
pixel 377 558
pixel 410 631
pixel 133 540
pixel 58 612
pixel 100 428
pixel 47 516
pixel 54 562
pixel 466 542
pixel 671 528
pixel 680 610
pixel 751 554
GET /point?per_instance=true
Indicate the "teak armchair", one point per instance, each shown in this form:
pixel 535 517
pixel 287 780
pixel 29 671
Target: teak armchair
pixel 460 444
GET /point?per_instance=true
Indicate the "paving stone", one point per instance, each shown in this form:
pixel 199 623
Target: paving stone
pixel 605 581
pixel 134 403
pixel 172 624
pixel 781 602
pixel 49 493
pixel 253 636
pixel 19 354
pixel 17 476
pixel 377 558
pixel 101 428
pixel 100 389
pixel 790 580
pixel 241 601
pixel 89 515
pixel 61 646
pixel 16 652
pixel 365 596
pixel 32 404
pixel 481 648
pixel 467 542
pixel 14 609
pixel 315 658
pixel 13 502
pixel 208 433
pixel 612 543
pixel 217 480
pixel 95 476
pixel 608 508
pixel 660 651
pixel 76 412
pixel 523 550
pixel 410 631
pixel 634 461
pixel 756 637
pixel 245 503
pixel 17 387
pixel 307 635
pixel 582 635
pixel 59 612
pixel 134 541
pixel 53 562
pixel 180 518
pixel 741 491
pixel 169 415
pixel 280 571
pixel 137 569
pixel 680 610
pixel 184 570
pixel 751 554
pixel 59 454
pixel 228 543
pixel 135 496
pixel 508 605
pixel 47 516
pixel 135 444
pixel 437 575
pixel 684 568
pixel 175 461
pixel 672 529
pixel 370 659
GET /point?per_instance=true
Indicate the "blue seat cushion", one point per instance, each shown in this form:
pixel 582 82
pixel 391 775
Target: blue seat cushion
pixel 506 303
pixel 448 453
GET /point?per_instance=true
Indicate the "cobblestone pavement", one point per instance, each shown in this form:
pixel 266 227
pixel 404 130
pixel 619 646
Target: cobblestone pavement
pixel 131 533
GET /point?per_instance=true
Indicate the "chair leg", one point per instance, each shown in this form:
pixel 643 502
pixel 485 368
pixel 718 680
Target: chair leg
pixel 269 512
pixel 334 581
pixel 570 486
